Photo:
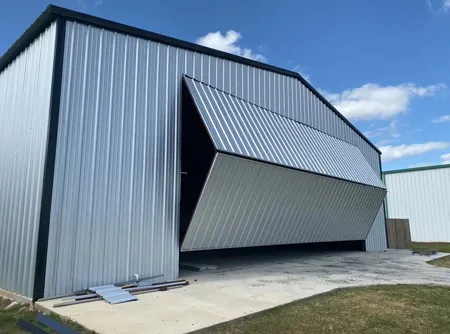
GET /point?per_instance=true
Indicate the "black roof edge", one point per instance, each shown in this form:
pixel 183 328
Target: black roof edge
pixel 33 31
pixel 54 11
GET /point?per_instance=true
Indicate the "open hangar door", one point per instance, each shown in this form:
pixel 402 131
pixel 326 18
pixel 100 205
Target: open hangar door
pixel 255 178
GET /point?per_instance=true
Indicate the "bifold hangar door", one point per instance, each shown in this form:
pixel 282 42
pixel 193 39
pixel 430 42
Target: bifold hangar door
pixel 253 177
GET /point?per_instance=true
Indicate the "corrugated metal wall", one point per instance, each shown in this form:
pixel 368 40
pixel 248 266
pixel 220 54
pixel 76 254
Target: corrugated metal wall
pixel 25 91
pixel 117 88
pixel 246 203
pixel 376 240
pixel 117 171
pixel 423 197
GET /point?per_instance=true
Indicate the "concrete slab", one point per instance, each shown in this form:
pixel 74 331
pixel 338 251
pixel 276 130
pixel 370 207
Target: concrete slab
pixel 250 284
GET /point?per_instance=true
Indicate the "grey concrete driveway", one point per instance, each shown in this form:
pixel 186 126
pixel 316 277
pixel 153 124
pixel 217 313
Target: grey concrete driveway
pixel 250 284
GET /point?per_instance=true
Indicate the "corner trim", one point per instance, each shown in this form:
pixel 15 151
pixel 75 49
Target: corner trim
pixel 49 167
pixel 33 31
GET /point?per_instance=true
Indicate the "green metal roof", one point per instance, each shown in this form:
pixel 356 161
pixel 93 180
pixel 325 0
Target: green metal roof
pixel 416 169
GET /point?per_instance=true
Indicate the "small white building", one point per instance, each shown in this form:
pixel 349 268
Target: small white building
pixel 423 196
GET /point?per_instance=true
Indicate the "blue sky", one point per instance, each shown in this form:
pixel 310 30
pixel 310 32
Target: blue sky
pixel 384 64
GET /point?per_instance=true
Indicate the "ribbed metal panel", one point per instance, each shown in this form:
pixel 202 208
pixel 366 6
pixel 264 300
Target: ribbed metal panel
pixel 25 91
pixel 239 127
pixel 246 203
pixel 117 171
pixel 376 239
pixel 423 198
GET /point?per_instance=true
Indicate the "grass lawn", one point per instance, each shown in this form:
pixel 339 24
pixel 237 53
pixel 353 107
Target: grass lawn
pixel 9 317
pixel 443 247
pixel 441 262
pixel 374 309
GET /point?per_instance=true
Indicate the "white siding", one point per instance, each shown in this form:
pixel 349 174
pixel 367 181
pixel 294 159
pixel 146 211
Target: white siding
pixel 423 197
pixel 25 92
pixel 376 239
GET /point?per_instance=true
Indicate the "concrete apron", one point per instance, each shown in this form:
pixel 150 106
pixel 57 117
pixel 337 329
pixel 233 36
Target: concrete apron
pixel 249 284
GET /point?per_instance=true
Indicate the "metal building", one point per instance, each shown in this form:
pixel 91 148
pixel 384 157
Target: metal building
pixel 422 195
pixel 121 147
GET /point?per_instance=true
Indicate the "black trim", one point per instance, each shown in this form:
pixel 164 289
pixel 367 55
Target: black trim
pixel 49 168
pixel 52 11
pixel 41 23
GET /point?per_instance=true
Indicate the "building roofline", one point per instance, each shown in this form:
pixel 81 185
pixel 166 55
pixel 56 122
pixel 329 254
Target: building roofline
pixel 416 169
pixel 33 31
pixel 52 12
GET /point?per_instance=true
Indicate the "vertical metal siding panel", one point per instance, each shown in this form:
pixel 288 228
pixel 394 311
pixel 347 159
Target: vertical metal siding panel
pixel 376 239
pixel 212 71
pixel 422 197
pixel 25 93
pixel 198 70
pixel 114 210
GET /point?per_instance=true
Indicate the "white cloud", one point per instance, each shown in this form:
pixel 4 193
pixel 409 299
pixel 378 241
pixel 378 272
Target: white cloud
pixel 438 6
pixel 390 130
pixel 446 5
pixel 445 158
pixel 228 43
pixel 372 101
pixel 300 70
pixel 397 152
pixel 420 164
pixel 384 142
pixel 88 4
pixel 442 119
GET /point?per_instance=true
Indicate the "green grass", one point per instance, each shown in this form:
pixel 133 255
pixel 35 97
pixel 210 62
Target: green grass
pixel 374 309
pixel 441 262
pixel 443 247
pixel 9 317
